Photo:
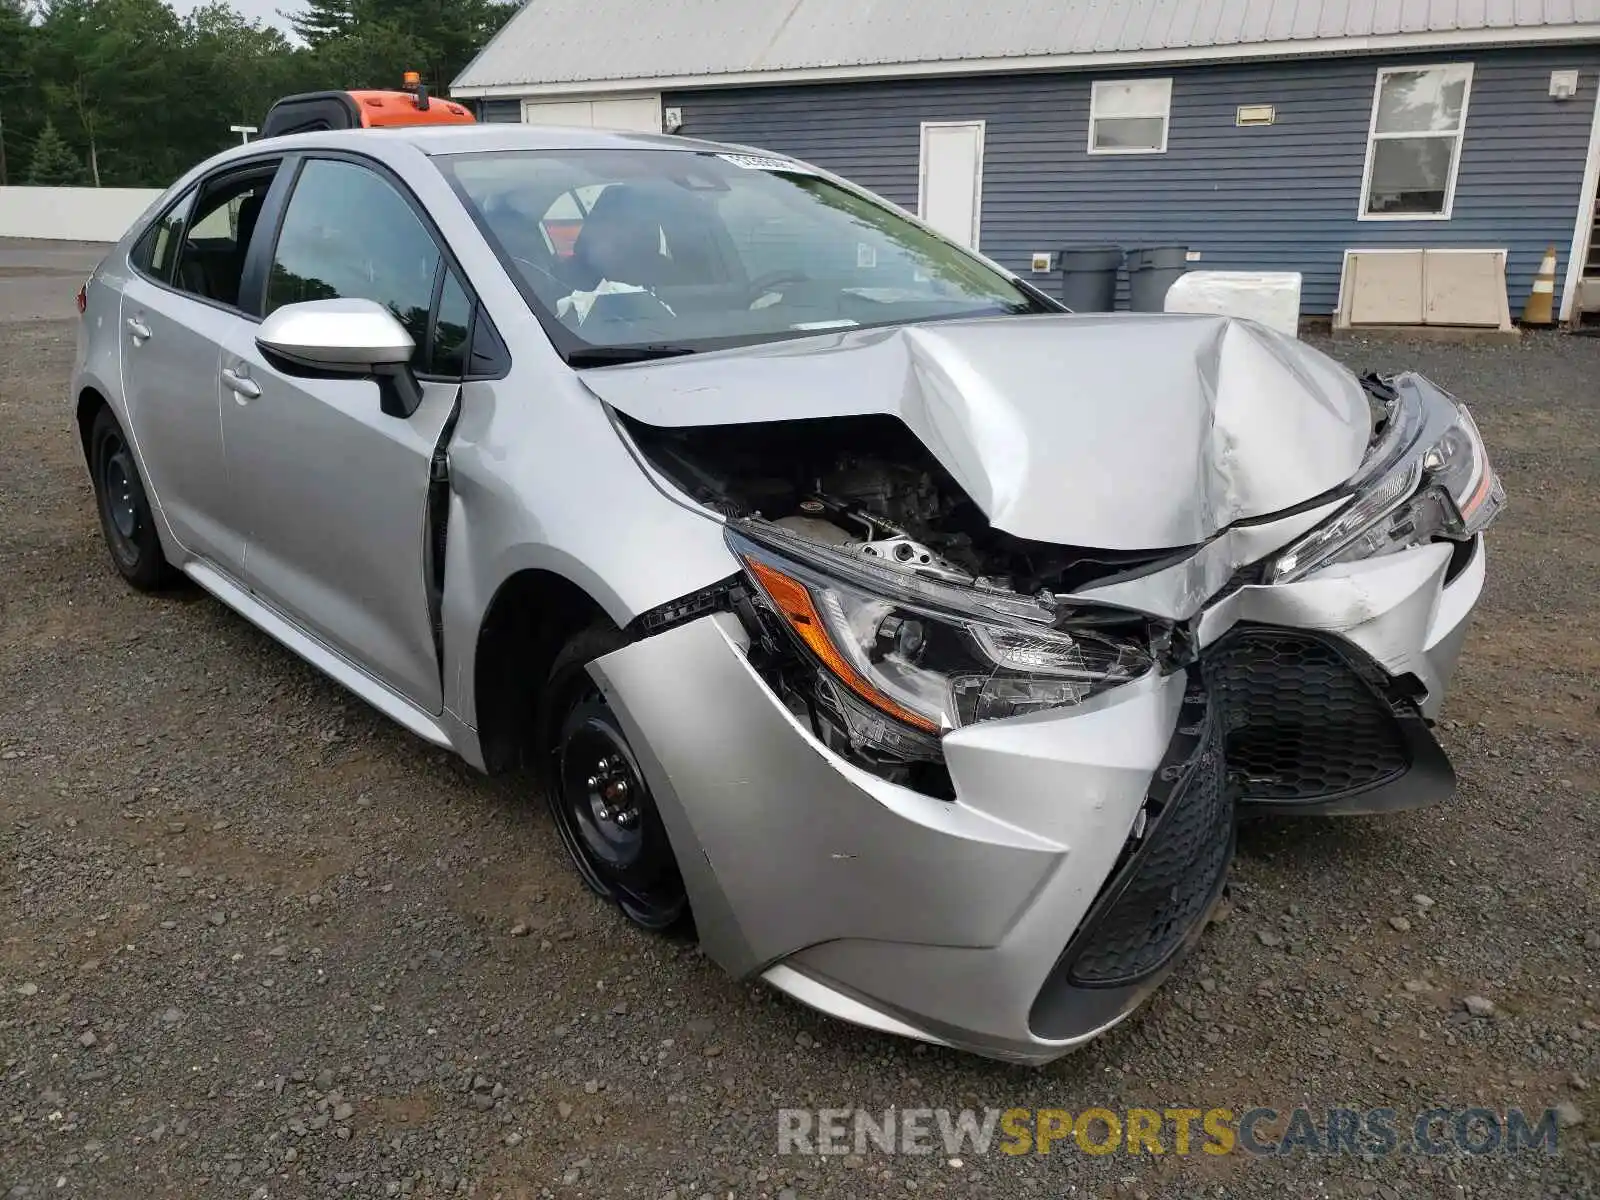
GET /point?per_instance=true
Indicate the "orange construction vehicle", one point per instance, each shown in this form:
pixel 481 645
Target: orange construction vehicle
pixel 411 105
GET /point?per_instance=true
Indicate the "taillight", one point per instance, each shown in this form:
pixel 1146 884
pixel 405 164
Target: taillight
pixel 83 298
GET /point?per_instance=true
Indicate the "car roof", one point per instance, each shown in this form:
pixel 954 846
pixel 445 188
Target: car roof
pixel 393 144
pixel 488 138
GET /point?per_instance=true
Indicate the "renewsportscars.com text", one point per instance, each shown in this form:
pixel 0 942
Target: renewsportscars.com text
pixel 1259 1131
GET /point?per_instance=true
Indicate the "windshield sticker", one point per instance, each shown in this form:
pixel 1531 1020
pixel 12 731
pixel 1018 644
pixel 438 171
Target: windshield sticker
pixel 866 255
pixel 761 162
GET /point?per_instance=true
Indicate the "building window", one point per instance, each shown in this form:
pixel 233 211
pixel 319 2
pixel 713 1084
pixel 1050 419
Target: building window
pixel 1129 116
pixel 1414 144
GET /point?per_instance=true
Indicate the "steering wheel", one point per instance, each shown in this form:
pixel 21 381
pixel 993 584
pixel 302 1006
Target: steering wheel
pixel 762 284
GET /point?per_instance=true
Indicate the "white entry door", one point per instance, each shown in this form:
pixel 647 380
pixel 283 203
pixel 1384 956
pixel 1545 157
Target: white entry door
pixel 950 193
pixel 630 114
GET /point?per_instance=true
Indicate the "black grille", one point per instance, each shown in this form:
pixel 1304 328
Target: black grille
pixel 1163 889
pixel 1302 722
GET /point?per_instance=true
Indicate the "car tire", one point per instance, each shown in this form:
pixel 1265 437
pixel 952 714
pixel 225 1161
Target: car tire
pixel 126 519
pixel 599 798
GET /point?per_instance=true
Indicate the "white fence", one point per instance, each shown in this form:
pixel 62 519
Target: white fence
pixel 71 213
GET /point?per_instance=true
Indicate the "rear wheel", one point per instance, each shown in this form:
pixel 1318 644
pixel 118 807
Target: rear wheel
pixel 126 519
pixel 598 795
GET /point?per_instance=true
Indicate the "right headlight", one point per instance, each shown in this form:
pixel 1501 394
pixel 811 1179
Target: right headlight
pixel 1428 477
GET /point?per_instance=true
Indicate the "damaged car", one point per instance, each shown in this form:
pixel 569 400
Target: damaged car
pixel 916 642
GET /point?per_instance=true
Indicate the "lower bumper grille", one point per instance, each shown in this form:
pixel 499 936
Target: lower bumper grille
pixel 1164 888
pixel 1154 904
pixel 1283 719
pixel 1303 724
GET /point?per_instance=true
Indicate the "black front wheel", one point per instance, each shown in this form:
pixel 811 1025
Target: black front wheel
pixel 126 520
pixel 598 795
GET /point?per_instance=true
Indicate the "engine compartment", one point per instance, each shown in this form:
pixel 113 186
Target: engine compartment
pixel 867 485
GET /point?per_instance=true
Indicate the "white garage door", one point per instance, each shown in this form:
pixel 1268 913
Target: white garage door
pixel 631 114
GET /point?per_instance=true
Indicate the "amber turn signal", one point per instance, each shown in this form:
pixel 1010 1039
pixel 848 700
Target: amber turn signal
pixel 792 600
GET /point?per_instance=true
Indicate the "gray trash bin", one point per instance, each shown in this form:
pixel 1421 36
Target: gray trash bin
pixel 1151 271
pixel 1089 277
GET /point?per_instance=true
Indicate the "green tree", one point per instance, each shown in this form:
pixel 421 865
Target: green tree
pixel 139 95
pixel 53 163
pixel 371 55
pixel 111 70
pixel 19 120
pixel 373 41
pixel 233 69
pixel 323 21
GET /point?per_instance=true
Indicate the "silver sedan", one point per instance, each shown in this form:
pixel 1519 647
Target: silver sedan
pixel 915 641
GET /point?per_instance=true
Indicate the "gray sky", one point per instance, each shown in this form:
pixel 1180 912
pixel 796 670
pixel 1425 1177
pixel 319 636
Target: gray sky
pixel 264 11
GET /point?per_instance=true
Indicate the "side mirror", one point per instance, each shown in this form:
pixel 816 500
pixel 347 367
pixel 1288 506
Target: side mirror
pixel 350 338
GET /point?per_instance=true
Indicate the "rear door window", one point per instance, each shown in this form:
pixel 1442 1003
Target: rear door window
pixel 216 238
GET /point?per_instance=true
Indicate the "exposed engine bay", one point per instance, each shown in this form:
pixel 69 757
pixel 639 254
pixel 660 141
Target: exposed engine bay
pixel 973 623
pixel 867 485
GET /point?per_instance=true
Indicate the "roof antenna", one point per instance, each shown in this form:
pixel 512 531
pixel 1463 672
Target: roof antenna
pixel 419 93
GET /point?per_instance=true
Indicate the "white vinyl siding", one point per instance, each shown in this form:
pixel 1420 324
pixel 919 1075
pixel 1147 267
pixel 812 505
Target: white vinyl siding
pixel 1129 116
pixel 1419 116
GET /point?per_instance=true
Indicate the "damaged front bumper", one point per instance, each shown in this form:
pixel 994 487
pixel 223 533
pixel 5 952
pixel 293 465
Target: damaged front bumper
pixel 1330 684
pixel 1084 845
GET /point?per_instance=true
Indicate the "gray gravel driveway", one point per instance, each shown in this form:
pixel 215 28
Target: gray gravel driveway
pixel 256 941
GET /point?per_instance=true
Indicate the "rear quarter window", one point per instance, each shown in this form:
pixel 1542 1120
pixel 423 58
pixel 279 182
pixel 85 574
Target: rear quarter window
pixel 157 248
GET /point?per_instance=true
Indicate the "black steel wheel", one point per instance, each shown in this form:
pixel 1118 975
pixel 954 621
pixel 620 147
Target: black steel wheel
pixel 599 797
pixel 125 517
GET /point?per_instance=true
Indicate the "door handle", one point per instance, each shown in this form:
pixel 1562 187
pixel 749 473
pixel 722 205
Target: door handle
pixel 138 329
pixel 241 385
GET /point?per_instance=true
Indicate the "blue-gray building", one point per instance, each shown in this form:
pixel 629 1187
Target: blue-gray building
pixel 1262 134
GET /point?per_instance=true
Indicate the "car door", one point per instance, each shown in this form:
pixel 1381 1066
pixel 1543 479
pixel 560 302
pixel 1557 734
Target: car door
pixel 180 303
pixel 335 491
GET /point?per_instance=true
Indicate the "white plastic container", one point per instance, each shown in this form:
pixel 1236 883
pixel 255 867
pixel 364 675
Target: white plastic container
pixel 1271 297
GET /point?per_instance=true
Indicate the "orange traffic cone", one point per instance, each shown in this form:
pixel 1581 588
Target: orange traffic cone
pixel 1540 308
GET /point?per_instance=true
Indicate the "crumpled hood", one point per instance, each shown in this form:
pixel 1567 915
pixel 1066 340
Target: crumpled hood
pixel 1122 432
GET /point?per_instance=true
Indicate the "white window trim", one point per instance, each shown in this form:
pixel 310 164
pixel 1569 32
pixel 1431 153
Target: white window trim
pixel 1165 114
pixel 1588 195
pixel 977 178
pixel 1374 137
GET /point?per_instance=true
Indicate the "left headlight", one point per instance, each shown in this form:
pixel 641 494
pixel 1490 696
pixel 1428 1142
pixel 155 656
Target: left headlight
pixel 931 656
pixel 1428 477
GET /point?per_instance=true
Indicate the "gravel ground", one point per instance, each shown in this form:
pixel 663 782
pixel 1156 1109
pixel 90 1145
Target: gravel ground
pixel 256 941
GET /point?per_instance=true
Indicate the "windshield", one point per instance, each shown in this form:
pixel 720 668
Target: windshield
pixel 638 253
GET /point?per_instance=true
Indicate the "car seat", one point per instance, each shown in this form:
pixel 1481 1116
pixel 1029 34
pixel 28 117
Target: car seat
pixel 621 241
pixel 244 229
